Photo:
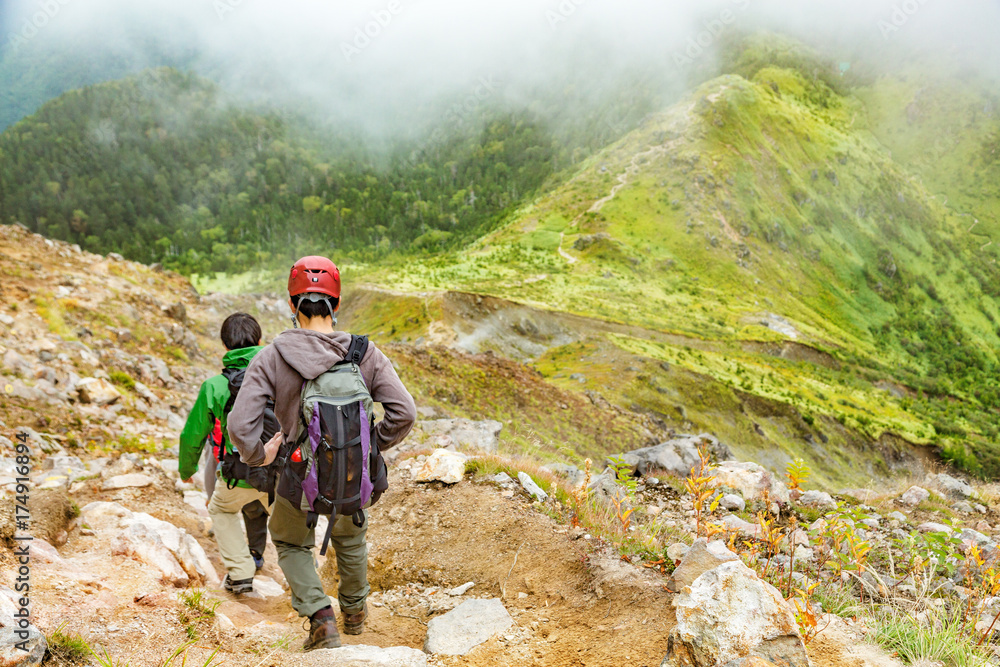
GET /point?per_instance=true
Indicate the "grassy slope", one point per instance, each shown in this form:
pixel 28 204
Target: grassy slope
pixel 751 197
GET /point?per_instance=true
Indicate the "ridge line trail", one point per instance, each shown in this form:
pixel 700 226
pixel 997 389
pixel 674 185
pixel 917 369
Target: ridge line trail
pixel 634 166
pixel 623 179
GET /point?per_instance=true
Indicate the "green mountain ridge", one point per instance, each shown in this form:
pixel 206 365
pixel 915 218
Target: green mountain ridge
pixel 766 201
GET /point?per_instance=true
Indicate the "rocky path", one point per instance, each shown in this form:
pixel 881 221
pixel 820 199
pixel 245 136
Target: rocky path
pixel 142 540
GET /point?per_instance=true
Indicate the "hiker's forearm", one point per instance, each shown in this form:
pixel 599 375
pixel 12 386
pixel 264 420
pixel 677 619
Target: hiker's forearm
pixel 400 410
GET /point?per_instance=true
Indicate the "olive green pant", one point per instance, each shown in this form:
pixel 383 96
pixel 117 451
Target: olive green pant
pixel 295 543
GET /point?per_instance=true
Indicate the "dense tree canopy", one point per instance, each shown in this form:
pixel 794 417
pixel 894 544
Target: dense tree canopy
pixel 159 168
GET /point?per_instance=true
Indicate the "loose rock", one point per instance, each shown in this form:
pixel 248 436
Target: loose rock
pixel 442 466
pixel 481 436
pixel 131 480
pixel 530 486
pixel 914 495
pixel 729 613
pixel 733 503
pixel 700 558
pixel 953 487
pixel 97 391
pixel 10 654
pixel 466 627
pixel 817 499
pixel 677 456
pixel 932 527
pixel 753 481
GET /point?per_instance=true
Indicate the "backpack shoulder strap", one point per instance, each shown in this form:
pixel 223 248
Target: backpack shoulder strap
pixel 356 352
pixel 234 378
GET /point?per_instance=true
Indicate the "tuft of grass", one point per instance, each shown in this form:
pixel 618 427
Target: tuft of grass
pixel 52 313
pixel 939 639
pixel 197 609
pixel 838 600
pixel 105 659
pixel 66 647
pixel 133 444
pixel 936 503
pixel 182 653
pixel 122 379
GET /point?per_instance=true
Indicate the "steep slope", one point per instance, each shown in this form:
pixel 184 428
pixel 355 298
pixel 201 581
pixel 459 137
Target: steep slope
pixel 757 214
pixel 946 129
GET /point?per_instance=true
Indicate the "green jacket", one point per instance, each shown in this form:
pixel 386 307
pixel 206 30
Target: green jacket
pixel 210 405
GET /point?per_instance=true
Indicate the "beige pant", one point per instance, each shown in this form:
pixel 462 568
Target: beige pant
pixel 225 508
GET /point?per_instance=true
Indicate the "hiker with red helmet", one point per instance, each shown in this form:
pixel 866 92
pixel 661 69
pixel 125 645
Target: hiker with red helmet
pixel 323 384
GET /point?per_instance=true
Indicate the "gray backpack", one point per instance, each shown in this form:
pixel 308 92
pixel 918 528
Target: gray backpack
pixel 334 467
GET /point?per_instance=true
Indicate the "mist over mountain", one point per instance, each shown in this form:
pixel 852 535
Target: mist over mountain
pixel 391 70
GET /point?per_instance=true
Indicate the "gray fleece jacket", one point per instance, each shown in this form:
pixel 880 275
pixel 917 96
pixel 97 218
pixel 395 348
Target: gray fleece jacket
pixel 278 372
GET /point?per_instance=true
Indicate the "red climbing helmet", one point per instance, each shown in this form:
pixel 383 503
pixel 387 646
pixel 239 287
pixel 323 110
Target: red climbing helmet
pixel 314 274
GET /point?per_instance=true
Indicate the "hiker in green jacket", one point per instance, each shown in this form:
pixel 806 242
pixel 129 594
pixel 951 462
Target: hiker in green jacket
pixel 241 334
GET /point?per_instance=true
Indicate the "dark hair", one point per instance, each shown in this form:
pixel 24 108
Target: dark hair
pixel 240 330
pixel 311 309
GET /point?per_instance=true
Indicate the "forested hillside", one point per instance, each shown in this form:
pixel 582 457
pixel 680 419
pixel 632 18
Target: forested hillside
pixel 160 167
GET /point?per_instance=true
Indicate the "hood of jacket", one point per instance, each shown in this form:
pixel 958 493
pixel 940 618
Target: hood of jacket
pixel 240 357
pixel 312 353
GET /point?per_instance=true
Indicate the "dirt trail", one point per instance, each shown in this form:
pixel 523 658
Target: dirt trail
pixel 572 602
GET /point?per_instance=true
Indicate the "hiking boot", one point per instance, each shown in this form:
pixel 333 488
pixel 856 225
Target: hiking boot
pixel 354 624
pixel 258 560
pixel 322 630
pixel 238 586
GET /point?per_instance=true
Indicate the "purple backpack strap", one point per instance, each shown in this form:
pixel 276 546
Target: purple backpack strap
pixel 310 483
pixel 366 450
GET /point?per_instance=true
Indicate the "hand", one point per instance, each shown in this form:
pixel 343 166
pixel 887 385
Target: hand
pixel 271 448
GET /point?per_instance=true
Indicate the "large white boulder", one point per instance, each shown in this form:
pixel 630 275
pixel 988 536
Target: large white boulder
pixel 729 613
pixel 441 466
pixel 700 558
pixel 171 550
